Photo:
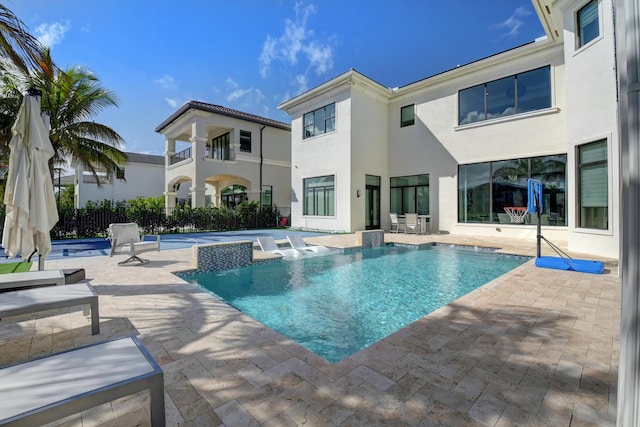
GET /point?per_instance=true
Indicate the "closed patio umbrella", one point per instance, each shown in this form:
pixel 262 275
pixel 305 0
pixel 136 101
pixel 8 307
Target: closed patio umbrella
pixel 31 210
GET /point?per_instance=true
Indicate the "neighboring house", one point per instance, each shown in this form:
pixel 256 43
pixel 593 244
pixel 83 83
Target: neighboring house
pixel 141 176
pixel 460 145
pixel 231 157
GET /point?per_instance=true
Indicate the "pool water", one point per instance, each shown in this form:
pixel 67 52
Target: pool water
pixel 337 305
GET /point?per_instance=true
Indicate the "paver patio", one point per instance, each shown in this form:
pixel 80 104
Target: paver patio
pixel 533 347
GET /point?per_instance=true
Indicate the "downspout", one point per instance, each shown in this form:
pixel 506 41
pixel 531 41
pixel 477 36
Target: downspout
pixel 261 162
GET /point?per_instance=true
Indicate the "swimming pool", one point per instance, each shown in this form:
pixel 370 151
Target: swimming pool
pixel 337 305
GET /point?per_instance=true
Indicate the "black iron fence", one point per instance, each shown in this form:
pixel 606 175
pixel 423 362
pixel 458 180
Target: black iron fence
pixel 94 221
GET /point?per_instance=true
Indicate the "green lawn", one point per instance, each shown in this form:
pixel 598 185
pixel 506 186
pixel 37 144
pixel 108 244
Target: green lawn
pixel 14 267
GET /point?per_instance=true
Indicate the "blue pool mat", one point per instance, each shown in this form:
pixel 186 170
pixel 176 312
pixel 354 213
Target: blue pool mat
pixel 570 264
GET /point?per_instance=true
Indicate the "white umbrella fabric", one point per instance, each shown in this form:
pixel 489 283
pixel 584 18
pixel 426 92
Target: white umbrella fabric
pixel 31 210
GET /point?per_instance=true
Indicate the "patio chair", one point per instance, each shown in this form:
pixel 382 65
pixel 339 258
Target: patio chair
pixel 298 243
pixel 395 224
pixel 267 244
pixel 126 239
pixel 411 223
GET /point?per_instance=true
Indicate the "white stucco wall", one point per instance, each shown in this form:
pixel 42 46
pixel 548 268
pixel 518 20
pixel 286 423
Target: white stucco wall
pixel 591 94
pixel 369 147
pixel 326 154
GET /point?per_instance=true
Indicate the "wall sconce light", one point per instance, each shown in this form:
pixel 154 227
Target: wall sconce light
pixel 357 193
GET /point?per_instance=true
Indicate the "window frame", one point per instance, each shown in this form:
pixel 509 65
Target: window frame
pixel 309 126
pixel 409 122
pixel 580 166
pixel 267 189
pixel 579 29
pixel 328 192
pixel 245 135
pixel 517 93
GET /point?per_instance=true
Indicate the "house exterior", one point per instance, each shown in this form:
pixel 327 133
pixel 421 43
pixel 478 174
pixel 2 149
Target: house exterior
pixel 142 175
pixel 459 146
pixel 230 157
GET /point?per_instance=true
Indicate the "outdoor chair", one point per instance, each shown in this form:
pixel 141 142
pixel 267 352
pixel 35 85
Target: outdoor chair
pixel 267 244
pixel 411 223
pixel 126 239
pixel 298 243
pixel 395 224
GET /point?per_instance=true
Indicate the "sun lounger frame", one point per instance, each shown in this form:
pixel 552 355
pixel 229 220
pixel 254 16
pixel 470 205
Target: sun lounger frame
pixel 15 303
pixel 152 379
pixel 32 278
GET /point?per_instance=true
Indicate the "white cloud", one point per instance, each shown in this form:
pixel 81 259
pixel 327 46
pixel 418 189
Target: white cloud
pixel 51 34
pixel 297 46
pixel 167 82
pixel 514 22
pixel 173 103
pixel 245 96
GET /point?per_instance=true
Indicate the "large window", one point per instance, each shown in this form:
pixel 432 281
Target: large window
pixel 410 194
pixel 520 93
pixel 485 189
pixel 588 23
pixel 245 141
pixel 593 186
pixel 320 121
pixel 219 148
pixel 407 115
pixel 319 196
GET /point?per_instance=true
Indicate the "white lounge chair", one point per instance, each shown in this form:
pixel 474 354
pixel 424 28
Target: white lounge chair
pixel 267 244
pixel 126 239
pixel 40 391
pixel 298 243
pixel 32 278
pixel 28 301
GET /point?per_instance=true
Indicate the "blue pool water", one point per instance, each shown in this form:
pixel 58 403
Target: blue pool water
pixel 336 305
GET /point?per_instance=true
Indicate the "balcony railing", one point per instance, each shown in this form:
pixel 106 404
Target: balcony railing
pixel 182 155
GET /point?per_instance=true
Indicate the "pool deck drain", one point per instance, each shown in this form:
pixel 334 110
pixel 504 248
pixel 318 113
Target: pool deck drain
pixel 533 347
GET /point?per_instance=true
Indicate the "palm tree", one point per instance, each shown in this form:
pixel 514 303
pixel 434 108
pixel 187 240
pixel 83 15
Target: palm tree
pixel 16 43
pixel 72 98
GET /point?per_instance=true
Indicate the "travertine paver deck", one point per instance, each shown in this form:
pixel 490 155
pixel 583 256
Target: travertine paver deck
pixel 533 347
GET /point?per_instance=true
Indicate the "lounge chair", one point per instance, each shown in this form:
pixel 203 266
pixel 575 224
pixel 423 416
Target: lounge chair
pixel 267 244
pixel 298 243
pixel 43 390
pixel 29 301
pixel 126 239
pixel 32 278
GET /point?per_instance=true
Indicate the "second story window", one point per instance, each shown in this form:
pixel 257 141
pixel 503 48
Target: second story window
pixel 407 115
pixel 245 141
pixel 588 23
pixel 317 122
pixel 120 173
pixel 520 93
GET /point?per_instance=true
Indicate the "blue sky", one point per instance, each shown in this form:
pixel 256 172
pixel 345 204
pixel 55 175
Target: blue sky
pixel 251 55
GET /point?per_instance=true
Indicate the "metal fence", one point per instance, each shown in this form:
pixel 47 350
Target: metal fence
pixel 93 222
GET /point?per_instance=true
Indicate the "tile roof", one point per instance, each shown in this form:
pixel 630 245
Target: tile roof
pixel 218 109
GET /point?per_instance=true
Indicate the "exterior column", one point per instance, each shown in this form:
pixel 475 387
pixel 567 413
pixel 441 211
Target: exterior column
pixel 628 56
pixel 198 140
pixel 197 197
pixel 169 201
pixel 169 151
